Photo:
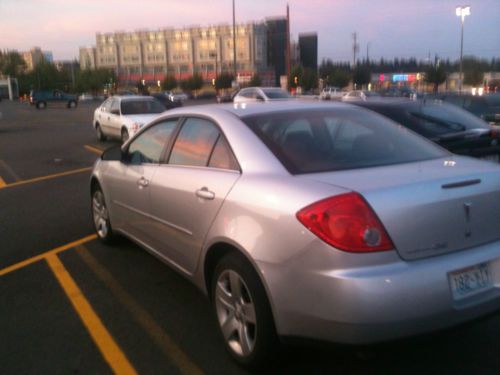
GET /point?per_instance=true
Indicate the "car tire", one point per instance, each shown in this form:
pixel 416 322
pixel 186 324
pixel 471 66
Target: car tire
pixel 71 104
pixel 100 216
pixel 100 135
pixel 41 105
pixel 243 312
pixel 124 135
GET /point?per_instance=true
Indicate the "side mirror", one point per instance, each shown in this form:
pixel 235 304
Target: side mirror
pixel 114 153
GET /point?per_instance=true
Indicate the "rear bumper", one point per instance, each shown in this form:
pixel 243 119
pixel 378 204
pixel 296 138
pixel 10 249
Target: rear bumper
pixel 313 298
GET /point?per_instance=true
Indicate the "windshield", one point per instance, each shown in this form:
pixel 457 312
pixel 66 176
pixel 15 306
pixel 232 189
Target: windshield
pixel 440 118
pixel 276 94
pixel 326 140
pixel 137 107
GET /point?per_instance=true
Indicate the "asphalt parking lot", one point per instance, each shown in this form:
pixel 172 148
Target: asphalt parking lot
pixel 70 305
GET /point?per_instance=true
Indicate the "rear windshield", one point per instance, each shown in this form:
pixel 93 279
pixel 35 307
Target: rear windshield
pixel 440 118
pixel 276 94
pixel 137 107
pixel 318 140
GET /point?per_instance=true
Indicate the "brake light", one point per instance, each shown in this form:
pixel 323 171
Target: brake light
pixel 346 222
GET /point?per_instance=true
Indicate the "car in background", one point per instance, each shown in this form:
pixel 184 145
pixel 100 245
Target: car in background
pixel 449 126
pixel 166 101
pixel 226 96
pixel 485 106
pixel 177 96
pixel 307 219
pixel 331 93
pixel 42 98
pixel 400 92
pixel 261 94
pixel 122 116
pixel 360 95
pixel 86 97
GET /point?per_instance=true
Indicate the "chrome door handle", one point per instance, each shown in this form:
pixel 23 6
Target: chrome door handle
pixel 204 193
pixel 142 182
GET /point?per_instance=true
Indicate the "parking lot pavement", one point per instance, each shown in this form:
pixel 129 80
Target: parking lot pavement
pixel 71 305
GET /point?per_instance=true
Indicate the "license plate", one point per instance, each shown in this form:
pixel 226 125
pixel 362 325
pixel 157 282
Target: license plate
pixel 491 158
pixel 470 281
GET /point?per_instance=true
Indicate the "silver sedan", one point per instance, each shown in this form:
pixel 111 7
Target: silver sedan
pixel 309 220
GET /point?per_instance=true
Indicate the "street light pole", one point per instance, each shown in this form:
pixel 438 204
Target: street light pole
pixel 462 12
pixel 234 42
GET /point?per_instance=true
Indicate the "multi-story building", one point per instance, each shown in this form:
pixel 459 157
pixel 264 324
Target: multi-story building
pixel 34 56
pixel 308 46
pixel 151 55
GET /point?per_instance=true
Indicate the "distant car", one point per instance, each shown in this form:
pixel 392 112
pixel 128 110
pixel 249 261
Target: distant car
pixel 177 96
pixel 357 95
pixel 304 219
pixel 122 116
pixel 331 93
pixel 261 94
pixel 400 91
pixel 166 101
pixel 449 126
pixel 86 97
pixel 42 98
pixel 226 97
pixel 486 106
pixel 206 95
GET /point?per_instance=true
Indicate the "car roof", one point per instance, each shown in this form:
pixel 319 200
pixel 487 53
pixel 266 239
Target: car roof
pixel 132 97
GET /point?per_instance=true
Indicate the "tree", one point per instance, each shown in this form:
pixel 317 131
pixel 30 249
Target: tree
pixel 309 79
pixel 436 75
pixel 224 81
pixel 474 71
pixel 94 81
pixel 339 78
pixel 361 75
pixel 195 82
pixel 11 63
pixel 255 81
pixel 170 82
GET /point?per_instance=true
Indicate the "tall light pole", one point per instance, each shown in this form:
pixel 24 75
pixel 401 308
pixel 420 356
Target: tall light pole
pixel 234 42
pixel 462 12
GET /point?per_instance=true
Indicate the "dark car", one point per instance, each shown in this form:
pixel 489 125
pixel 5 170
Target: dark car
pixel 449 126
pixel 486 107
pixel 165 100
pixel 41 98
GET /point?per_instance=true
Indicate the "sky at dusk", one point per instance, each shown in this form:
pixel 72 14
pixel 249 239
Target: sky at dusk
pixel 391 28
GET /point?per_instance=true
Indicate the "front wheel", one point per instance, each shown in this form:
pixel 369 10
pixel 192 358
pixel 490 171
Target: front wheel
pixel 243 312
pixel 100 135
pixel 100 216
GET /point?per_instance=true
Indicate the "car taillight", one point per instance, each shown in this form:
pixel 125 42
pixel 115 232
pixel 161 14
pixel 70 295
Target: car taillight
pixel 346 222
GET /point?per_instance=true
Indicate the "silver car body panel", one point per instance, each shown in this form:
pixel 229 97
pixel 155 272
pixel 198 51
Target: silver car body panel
pixel 314 289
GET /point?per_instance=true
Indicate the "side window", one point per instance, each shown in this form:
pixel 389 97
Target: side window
pixel 107 104
pixel 222 157
pixel 148 147
pixel 194 143
pixel 115 106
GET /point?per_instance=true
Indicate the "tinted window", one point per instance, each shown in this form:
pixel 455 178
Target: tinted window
pixel 148 146
pixel 107 104
pixel 222 157
pixel 276 94
pixel 115 105
pixel 136 107
pixel 195 143
pixel 327 140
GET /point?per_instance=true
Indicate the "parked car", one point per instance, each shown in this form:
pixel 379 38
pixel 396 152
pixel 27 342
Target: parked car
pixel 226 96
pixel 331 93
pixel 166 101
pixel 261 94
pixel 358 95
pixel 449 126
pixel 177 96
pixel 307 219
pixel 486 107
pixel 86 97
pixel 42 98
pixel 122 116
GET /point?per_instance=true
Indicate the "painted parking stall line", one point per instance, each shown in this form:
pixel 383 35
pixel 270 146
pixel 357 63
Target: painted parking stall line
pixel 48 177
pixel 93 149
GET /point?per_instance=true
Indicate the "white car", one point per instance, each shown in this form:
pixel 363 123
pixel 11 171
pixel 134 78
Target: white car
pixel 122 116
pixel 357 95
pixel 331 93
pixel 176 96
pixel 261 94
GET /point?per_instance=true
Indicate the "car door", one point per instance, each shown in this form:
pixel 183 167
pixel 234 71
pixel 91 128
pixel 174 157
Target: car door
pixel 130 180
pixel 102 116
pixel 187 192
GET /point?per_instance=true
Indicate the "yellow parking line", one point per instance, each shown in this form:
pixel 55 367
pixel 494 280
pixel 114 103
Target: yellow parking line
pixel 57 250
pixel 5 166
pixel 143 317
pixel 110 350
pixel 2 183
pixel 49 177
pixel 95 150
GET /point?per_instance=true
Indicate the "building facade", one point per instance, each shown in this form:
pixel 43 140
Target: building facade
pixel 308 50
pixel 33 57
pixel 208 51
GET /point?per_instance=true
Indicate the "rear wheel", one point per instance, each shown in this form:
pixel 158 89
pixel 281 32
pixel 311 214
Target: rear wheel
pixel 125 135
pixel 243 312
pixel 100 216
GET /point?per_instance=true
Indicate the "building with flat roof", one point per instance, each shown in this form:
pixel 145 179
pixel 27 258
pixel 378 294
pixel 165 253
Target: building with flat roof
pixel 151 55
pixel 308 50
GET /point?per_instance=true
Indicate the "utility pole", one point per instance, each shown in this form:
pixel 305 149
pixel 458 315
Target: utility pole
pixel 234 43
pixel 288 52
pixel 355 48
